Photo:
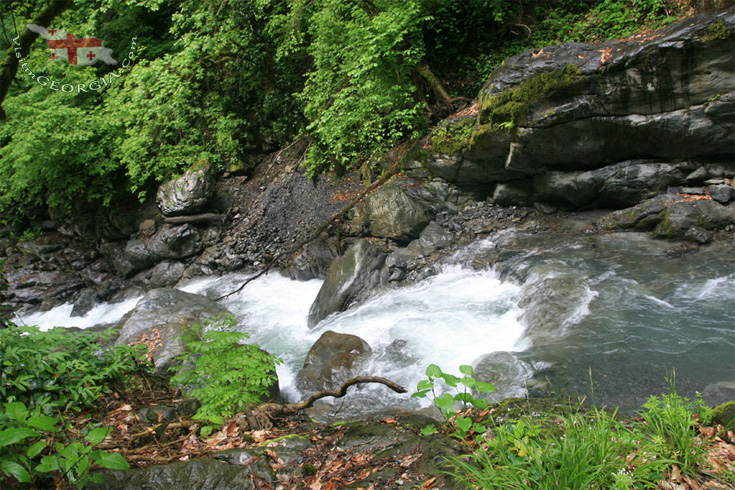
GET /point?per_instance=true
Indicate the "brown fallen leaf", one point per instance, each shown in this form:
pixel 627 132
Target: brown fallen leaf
pixel 429 483
pixel 536 55
pixel 708 432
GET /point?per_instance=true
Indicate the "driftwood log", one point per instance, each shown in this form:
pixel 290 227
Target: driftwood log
pixel 262 416
pixel 196 218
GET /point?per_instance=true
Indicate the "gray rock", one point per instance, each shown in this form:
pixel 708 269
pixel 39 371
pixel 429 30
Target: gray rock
pixel 170 311
pixel 313 261
pixel 175 242
pixel 166 274
pixel 434 237
pixel 721 193
pixel 392 213
pixel 198 474
pixel 332 360
pixel 506 372
pixel 187 194
pixel 351 277
pixel 693 220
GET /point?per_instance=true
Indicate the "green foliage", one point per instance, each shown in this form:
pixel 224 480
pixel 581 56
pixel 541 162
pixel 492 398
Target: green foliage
pixel 590 451
pixel 58 369
pixel 447 402
pixel 359 96
pixel 671 426
pixel 43 376
pixel 452 137
pixel 221 372
pixel 26 439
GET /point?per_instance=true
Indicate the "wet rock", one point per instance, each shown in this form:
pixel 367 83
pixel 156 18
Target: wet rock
pixel 314 260
pixel 332 360
pixel 166 274
pixel 187 194
pixel 434 237
pixel 718 393
pixel 198 474
pixel 551 304
pixel 167 412
pixel 506 371
pixel 351 277
pixel 642 217
pixel 693 220
pixel 170 312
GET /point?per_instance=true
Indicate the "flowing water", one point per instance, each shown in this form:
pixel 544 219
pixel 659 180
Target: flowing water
pixel 611 312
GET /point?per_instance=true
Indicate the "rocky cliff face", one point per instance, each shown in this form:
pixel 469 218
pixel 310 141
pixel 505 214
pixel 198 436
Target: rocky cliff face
pixel 585 125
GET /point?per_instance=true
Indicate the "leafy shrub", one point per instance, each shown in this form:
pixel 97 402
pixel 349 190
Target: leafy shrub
pixel 447 402
pixel 43 377
pixel 221 372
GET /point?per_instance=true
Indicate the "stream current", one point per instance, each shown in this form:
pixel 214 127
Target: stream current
pixel 609 317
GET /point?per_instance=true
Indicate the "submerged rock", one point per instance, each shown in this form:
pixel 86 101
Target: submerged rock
pixel 351 277
pixel 332 360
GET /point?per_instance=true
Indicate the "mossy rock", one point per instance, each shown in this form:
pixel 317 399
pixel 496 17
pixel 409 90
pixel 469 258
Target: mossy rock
pixel 510 108
pixel 452 137
pixel 725 415
pixel 717 31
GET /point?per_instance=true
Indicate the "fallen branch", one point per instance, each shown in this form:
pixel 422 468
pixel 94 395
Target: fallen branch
pixel 266 413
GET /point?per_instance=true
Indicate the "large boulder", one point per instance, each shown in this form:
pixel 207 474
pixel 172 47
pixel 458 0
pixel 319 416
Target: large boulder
pixel 393 213
pixel 187 194
pixel 674 217
pixel 351 277
pixel 332 360
pixel 567 124
pixel 163 315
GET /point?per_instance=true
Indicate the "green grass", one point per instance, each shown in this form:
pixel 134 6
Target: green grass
pixel 587 450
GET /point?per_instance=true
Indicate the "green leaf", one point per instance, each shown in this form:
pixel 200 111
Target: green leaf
pixel 16 411
pixel 35 449
pixel 17 471
pixel 450 379
pixel 445 403
pixel 464 397
pixel 112 461
pixel 464 423
pixel 97 435
pixel 433 371
pixel 425 384
pixel 465 369
pixel 13 436
pixel 483 387
pixel 44 423
pixel 428 430
pixel 469 382
pixel 48 464
pixel 480 403
pixel 420 394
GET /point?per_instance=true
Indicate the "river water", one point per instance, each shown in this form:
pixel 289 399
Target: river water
pixel 609 317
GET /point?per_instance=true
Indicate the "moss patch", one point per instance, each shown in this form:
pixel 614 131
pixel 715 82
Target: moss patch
pixel 452 137
pixel 725 414
pixel 509 109
pixel 718 30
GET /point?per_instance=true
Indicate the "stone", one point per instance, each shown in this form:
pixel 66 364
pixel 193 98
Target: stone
pixel 392 213
pixel 725 415
pixel 434 237
pixel 506 371
pixel 169 311
pixel 198 474
pixel 332 360
pixel 166 274
pixel 175 242
pixel 721 193
pixel 187 194
pixel 351 277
